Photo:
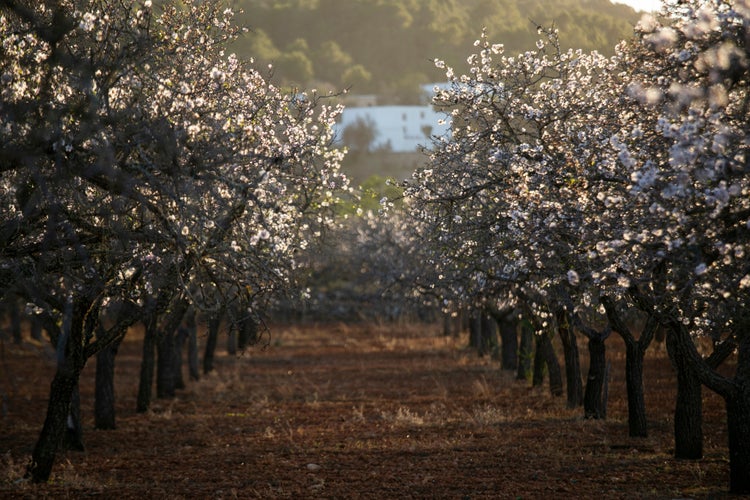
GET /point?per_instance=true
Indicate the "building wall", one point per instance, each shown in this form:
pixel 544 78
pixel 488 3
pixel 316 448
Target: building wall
pixel 401 129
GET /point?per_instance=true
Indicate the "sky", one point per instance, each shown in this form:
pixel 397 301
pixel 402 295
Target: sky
pixel 645 5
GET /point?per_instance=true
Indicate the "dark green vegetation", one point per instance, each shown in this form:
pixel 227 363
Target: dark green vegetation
pixel 387 47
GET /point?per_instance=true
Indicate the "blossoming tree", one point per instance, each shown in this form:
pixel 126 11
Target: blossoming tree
pixel 502 198
pixel 143 166
pixel 612 184
pixel 682 199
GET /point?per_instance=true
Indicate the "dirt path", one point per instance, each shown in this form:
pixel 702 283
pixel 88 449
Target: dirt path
pixel 357 412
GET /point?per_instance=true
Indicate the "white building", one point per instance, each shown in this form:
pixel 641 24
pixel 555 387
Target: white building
pixel 399 129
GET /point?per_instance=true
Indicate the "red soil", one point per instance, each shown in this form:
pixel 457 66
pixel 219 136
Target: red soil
pixel 366 411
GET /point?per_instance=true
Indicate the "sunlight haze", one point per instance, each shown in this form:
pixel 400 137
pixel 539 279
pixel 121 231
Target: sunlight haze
pixel 644 5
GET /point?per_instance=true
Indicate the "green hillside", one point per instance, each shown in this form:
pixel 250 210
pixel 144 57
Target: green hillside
pixel 386 47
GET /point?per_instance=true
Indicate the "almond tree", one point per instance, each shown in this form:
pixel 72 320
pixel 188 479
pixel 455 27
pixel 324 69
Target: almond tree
pixel 501 201
pixel 142 166
pixel 681 202
pixel 634 188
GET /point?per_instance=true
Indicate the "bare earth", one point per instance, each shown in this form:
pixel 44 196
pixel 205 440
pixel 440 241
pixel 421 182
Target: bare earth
pixel 341 411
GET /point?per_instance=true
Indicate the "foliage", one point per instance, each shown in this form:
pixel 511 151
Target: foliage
pixel 362 270
pixel 390 39
pixel 360 135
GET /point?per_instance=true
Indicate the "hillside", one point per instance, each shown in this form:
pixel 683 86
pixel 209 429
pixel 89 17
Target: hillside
pixel 386 47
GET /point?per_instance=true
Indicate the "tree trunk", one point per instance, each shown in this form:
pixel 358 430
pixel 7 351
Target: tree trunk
pixel 688 413
pixel 165 365
pixel 539 362
pixel 104 392
pixel 73 438
pixel 605 389
pixel 180 339
pixel 187 331
pixel 738 425
pixel 738 420
pixel 634 352
pixel 525 351
pixel 553 365
pixel 475 330
pixel 211 339
pixel 448 324
pixel 58 408
pixel 488 343
pixel 637 425
pixel 696 370
pixel 193 363
pixel 593 400
pixel 574 384
pixel 36 328
pixel 70 362
pixel 509 342
pixel 232 341
pixel 147 368
pixel 15 323
pixel 248 332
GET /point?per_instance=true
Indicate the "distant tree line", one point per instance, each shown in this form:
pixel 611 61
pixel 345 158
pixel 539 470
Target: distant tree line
pixel 387 46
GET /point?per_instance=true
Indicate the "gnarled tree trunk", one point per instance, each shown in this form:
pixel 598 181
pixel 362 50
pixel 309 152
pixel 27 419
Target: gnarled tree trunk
pixel 165 365
pixel 553 365
pixel 188 332
pixel 574 385
pixel 738 421
pixel 593 397
pixel 738 426
pixel 545 357
pixel 73 437
pixel 525 350
pixel 232 341
pixel 637 425
pixel 193 363
pixel 180 339
pixel 508 327
pixel 475 330
pixel 55 424
pixel 148 360
pixel 736 393
pixel 70 362
pixel 248 332
pixel 688 412
pixel 213 335
pixel 488 335
pixel 635 350
pixel 104 392
pixel 540 363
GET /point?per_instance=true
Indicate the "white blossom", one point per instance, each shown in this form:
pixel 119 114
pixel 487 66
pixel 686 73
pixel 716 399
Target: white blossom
pixel 573 278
